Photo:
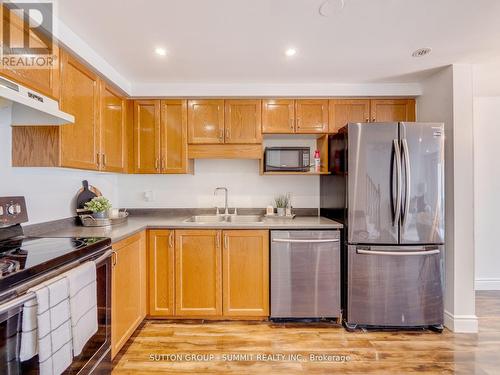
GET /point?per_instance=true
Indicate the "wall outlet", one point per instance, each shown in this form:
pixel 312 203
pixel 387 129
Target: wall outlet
pixel 148 196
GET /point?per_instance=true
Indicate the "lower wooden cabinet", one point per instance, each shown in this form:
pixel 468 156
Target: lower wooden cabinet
pixel 128 289
pixel 212 274
pixel 245 273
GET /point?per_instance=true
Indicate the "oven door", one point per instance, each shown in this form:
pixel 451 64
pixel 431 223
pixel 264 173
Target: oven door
pixel 96 355
pixel 284 159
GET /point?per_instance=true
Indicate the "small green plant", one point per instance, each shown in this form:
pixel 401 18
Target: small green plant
pixel 98 204
pixel 281 201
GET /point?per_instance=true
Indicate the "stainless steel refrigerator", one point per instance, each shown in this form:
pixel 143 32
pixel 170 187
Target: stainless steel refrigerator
pixel 387 187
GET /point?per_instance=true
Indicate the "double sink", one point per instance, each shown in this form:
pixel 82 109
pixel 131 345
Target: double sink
pixel 235 219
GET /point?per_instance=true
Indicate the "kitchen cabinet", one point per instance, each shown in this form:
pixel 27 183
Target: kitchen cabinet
pixel 146 136
pixel 113 131
pixel 79 97
pixel 245 273
pixel 45 81
pixel 198 273
pixel 173 133
pixel 128 289
pixel 386 110
pixel 343 111
pixel 278 116
pixel 161 272
pixel 205 121
pixel 160 136
pixel 242 121
pixel 311 116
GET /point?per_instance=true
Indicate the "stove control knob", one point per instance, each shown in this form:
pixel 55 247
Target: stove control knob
pixel 1 210
pixel 14 209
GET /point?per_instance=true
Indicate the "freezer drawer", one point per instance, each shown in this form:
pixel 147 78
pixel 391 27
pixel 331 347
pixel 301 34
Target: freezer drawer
pixel 305 274
pixel 395 286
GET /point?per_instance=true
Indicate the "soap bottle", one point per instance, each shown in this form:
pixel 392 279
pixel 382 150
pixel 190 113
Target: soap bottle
pixel 288 209
pixel 317 161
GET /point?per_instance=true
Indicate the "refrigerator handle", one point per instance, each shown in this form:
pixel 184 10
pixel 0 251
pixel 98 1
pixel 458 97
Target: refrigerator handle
pixel 406 154
pixel 397 153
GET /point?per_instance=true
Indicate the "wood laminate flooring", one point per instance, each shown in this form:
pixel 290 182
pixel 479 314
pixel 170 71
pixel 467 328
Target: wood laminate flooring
pixel 168 347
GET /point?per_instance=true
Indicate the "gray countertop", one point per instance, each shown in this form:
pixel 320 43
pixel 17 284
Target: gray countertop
pixel 137 223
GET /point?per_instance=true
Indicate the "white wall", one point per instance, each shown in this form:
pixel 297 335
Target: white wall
pixel 487 174
pixel 49 192
pixel 246 187
pixel 447 97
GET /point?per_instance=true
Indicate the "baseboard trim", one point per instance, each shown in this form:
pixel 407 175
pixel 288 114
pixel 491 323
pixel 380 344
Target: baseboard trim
pixel 461 323
pixel 487 283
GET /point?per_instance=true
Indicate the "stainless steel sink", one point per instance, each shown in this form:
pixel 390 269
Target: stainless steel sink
pixel 235 219
pixel 245 219
pixel 205 219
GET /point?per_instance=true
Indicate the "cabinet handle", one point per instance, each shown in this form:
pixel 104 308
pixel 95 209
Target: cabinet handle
pixel 298 123
pixel 217 240
pixel 163 164
pixel 291 123
pixel 228 134
pixel 114 258
pixel 103 159
pixel 98 159
pixel 367 120
pixel 157 163
pixel 373 119
pixel 171 240
pixel 226 242
pixel 221 134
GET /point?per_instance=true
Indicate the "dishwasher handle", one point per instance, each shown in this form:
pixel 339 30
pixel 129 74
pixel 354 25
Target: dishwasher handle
pixel 292 240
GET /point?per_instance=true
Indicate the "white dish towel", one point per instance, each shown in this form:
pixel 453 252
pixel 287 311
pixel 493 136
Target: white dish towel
pixel 83 304
pixel 61 319
pixel 47 327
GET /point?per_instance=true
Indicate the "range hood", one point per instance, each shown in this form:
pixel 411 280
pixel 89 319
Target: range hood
pixel 30 107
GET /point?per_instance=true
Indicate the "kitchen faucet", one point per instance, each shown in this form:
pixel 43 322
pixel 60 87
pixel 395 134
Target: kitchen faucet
pixel 226 208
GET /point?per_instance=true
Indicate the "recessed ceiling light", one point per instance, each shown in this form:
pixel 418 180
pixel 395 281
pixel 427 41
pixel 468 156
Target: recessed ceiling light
pixel 421 52
pixel 160 51
pixel 291 52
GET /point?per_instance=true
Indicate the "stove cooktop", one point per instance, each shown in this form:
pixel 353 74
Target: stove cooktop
pixel 22 258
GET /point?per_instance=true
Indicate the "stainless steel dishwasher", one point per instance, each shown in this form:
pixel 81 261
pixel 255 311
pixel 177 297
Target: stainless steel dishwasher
pixel 305 274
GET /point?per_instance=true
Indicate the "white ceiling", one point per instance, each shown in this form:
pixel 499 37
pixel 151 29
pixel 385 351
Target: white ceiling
pixel 243 41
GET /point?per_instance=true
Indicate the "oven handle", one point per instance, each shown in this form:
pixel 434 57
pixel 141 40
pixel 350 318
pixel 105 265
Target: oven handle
pixel 306 240
pixel 21 300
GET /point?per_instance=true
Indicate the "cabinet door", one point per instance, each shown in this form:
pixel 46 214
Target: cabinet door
pixel 173 136
pixel 206 121
pixel 312 116
pixel 161 272
pixel 198 281
pixel 128 289
pixel 243 121
pixel 343 111
pixel 45 81
pixel 146 136
pixel 245 270
pixel 113 130
pixel 389 110
pixel 79 97
pixel 278 116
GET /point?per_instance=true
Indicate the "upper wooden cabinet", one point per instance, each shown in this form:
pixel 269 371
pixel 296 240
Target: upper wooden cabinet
pixel 128 289
pixel 242 121
pixel 198 273
pixel 278 116
pixel 245 273
pixel 173 145
pixel 311 116
pixel 146 136
pixel 383 110
pixel 113 132
pixel 343 111
pixel 45 81
pixel 205 121
pixel 160 136
pixel 161 272
pixel 79 97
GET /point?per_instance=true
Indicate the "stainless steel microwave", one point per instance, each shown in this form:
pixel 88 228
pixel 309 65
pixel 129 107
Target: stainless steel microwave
pixel 294 159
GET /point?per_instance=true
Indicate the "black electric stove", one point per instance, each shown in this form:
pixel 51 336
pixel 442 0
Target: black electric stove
pixel 22 258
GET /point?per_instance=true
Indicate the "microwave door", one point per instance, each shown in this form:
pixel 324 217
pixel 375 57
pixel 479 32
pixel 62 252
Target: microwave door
pixel 284 160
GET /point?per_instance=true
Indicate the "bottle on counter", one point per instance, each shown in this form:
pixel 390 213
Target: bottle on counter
pixel 317 161
pixel 288 209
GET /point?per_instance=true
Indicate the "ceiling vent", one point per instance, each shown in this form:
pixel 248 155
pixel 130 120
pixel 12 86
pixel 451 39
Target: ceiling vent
pixel 421 52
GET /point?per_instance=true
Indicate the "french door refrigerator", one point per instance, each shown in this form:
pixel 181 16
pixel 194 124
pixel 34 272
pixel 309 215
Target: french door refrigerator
pixel 387 187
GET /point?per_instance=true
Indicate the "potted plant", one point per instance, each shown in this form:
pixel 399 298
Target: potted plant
pixel 99 207
pixel 281 203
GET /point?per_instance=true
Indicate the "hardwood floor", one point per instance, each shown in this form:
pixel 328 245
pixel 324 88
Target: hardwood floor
pixel 368 352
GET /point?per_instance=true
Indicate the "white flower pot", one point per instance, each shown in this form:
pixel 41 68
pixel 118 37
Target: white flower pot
pixel 281 211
